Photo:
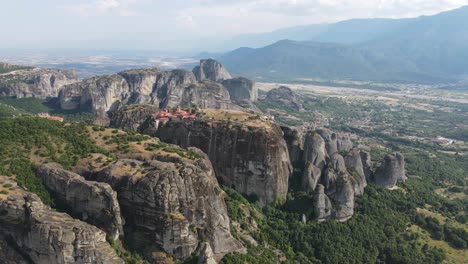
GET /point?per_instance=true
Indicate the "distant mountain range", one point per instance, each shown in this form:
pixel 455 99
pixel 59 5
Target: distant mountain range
pixel 424 49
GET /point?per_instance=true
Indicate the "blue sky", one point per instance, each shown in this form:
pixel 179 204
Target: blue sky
pixel 179 24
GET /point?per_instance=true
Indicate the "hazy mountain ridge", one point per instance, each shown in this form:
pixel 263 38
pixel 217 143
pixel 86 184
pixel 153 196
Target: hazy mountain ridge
pixel 424 49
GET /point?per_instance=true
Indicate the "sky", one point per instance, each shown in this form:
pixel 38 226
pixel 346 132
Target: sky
pixel 182 25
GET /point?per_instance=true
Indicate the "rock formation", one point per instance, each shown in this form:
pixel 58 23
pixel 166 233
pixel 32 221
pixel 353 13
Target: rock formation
pixel 92 202
pixel 106 94
pixel 335 142
pixel 171 202
pixel 205 94
pixel 293 139
pixel 366 162
pixel 205 255
pixel 391 171
pixel 241 90
pixel 98 94
pixel 354 163
pixel 314 150
pixel 322 204
pixel 34 82
pixel 41 235
pixel 211 70
pixel 131 117
pixel 310 177
pixel 251 155
pixel 326 173
pixel 344 197
pixel 284 96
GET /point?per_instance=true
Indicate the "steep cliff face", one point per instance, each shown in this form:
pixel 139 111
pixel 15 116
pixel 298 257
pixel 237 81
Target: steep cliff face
pixel 41 235
pixel 294 142
pixel 205 94
pixel 335 142
pixel 141 84
pixel 250 154
pixel 211 70
pixel 326 173
pixel 131 117
pixel 241 90
pixel 354 163
pixel 314 150
pixel 172 203
pixel 284 96
pixel 106 94
pixel 39 83
pixel 391 171
pixel 92 202
pixel 97 94
pixel 170 86
pixel 311 177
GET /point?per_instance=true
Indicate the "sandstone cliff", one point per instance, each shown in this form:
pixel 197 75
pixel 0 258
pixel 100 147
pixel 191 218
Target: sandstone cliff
pixel 247 153
pixel 43 236
pixel 325 172
pixel 132 117
pixel 106 94
pixel 241 90
pixel 92 202
pixel 172 203
pixel 211 70
pixel 391 171
pixel 285 97
pixel 34 82
pixel 294 142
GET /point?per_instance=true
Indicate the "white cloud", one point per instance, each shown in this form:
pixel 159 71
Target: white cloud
pixel 103 7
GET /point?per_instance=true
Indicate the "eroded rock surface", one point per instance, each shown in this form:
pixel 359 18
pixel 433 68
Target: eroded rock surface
pixel 172 203
pixel 211 70
pixel 35 82
pixel 284 96
pixel 322 204
pixel 293 137
pixel 314 150
pixel 241 90
pixel 92 202
pixel 106 94
pixel 251 156
pixel 391 171
pixel 43 236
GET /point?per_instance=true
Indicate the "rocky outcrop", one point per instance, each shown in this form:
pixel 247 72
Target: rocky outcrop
pixel 92 202
pixel 131 117
pixel 310 177
pixel 354 164
pixel 205 255
pixel 366 162
pixel 293 139
pixel 241 90
pixel 391 171
pixel 344 197
pixel 211 70
pixel 171 203
pixel 326 173
pixel 35 82
pixel 98 94
pixel 205 94
pixel 106 94
pixel 335 142
pixel 284 96
pixel 314 150
pixel 41 235
pixel 141 84
pixel 322 204
pixel 251 156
